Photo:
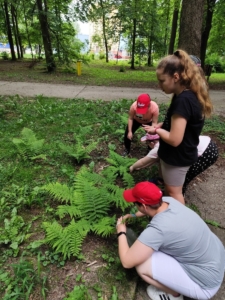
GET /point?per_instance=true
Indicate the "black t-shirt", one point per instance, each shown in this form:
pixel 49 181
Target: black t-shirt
pixel 186 105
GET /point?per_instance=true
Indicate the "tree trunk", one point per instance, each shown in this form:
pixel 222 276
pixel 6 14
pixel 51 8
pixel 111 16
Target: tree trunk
pixel 42 14
pixel 133 43
pixel 150 42
pixel 104 32
pixel 15 31
pixel 191 20
pixel 173 30
pixel 207 28
pixel 167 23
pixel 18 35
pixel 9 32
pixel 57 35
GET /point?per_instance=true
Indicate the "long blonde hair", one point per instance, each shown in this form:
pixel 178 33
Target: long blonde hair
pixel 190 76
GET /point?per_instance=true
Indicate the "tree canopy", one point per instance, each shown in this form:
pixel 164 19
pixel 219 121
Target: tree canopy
pixel 151 28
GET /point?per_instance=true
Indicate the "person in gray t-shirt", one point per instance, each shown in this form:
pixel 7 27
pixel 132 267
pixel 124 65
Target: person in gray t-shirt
pixel 177 254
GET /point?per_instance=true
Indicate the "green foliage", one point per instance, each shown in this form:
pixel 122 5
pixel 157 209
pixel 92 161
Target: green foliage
pixel 79 151
pixel 18 196
pixel 122 68
pixel 5 55
pixel 213 223
pixel 120 167
pixel 28 147
pixel 79 292
pixel 217 62
pixel 49 257
pixel 14 231
pixel 66 240
pixel 115 294
pixel 88 203
pixel 105 226
pixel 21 284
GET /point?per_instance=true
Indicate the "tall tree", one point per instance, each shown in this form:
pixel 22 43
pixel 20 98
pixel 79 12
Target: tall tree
pixel 210 4
pixel 174 26
pixel 191 21
pixel 9 31
pixel 43 19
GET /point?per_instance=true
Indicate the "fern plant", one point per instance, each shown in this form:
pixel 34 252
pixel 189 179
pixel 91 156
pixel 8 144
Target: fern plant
pixel 120 167
pixel 88 204
pixel 67 240
pixel 79 151
pixel 28 147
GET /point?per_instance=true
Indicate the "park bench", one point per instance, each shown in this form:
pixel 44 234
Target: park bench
pixel 208 71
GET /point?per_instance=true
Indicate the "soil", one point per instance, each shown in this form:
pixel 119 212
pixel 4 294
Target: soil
pixel 206 193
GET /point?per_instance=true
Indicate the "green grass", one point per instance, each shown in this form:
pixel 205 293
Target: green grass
pixel 96 72
pixel 56 121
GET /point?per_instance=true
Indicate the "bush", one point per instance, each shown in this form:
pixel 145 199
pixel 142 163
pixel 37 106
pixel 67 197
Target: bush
pixel 217 62
pixel 122 68
pixel 5 55
pixel 102 56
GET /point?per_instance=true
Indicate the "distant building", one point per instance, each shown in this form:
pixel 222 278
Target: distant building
pixel 116 50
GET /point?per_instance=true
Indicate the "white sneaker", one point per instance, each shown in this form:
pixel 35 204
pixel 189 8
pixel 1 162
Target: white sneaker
pixel 156 294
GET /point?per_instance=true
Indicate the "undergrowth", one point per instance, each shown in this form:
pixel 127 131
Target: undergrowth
pixel 60 163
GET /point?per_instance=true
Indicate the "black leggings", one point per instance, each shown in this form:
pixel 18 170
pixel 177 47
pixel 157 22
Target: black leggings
pixel 136 125
pixel 204 161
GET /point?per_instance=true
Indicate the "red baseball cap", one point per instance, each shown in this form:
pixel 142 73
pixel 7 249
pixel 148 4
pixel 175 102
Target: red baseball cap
pixel 143 102
pixel 144 192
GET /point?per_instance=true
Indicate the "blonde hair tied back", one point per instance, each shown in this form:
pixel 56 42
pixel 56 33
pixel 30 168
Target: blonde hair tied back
pixel 191 76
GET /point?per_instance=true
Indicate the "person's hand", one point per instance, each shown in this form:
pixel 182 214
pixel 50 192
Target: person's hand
pixel 130 135
pixel 127 216
pixel 149 129
pixel 120 225
pixel 131 169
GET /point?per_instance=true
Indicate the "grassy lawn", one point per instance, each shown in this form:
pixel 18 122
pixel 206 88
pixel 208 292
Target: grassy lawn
pixel 62 178
pixel 96 72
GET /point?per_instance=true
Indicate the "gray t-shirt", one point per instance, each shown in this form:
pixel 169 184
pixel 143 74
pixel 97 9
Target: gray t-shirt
pixel 181 233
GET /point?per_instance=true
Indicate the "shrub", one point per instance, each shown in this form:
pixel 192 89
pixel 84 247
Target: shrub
pixel 101 55
pixel 122 68
pixel 217 62
pixel 5 55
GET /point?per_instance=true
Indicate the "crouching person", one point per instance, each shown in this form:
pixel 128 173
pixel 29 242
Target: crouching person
pixel 177 253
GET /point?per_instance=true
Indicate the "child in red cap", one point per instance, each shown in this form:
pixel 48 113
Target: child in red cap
pixel 142 111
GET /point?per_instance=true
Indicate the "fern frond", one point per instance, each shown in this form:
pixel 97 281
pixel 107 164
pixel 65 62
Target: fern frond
pixel 78 151
pixel 28 146
pixel 94 205
pixel 105 227
pixel 67 241
pixel 60 192
pixel 83 227
pixel 119 200
pixel 84 175
pixel 72 211
pixel 36 146
pixel 82 132
pixel 54 231
pixel 128 180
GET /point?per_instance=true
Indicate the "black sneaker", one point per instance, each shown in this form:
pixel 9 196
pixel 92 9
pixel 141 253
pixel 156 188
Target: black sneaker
pixel 125 153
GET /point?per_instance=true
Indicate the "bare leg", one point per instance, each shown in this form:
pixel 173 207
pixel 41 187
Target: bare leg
pixel 145 272
pixel 175 192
